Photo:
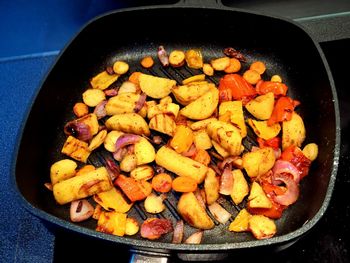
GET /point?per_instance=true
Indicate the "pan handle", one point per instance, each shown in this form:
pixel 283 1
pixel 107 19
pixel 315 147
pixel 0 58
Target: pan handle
pixel 201 3
pixel 138 256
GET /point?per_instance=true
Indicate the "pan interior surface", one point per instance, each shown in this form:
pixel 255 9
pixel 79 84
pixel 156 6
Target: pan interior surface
pixel 286 49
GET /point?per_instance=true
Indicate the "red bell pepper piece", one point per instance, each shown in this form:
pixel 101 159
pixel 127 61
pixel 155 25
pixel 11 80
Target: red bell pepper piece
pixel 270 189
pixel 130 188
pixel 235 87
pixel 278 88
pixel 273 142
pixel 282 110
pixel 295 156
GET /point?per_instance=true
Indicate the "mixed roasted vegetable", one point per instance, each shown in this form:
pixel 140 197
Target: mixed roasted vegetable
pixel 163 136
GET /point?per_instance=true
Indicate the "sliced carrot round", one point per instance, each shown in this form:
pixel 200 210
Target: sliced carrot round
pixel 184 184
pixel 162 182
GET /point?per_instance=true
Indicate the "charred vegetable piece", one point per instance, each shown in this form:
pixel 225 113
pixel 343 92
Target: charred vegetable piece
pixel 154 228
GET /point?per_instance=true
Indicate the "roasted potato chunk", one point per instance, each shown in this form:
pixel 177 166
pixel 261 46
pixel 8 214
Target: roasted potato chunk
pixel 241 222
pixel 293 132
pixel 257 197
pixel 77 149
pixel 103 80
pixel 259 162
pixel 62 170
pixel 180 165
pixel 240 187
pixel 156 87
pixel 203 107
pixel 163 123
pixel 128 123
pixel 82 186
pixel 262 227
pixel 193 213
pixel 262 106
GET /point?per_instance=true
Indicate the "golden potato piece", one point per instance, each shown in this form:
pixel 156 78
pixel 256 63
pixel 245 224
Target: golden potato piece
pixel 293 131
pixel 202 139
pixel 199 77
pixel 186 94
pixel 198 125
pixel 112 223
pixel 163 123
pixel 103 80
pixel 122 103
pixel 227 135
pixel 77 149
pixel 311 151
pixel 62 170
pixel 97 140
pixel 193 213
pixel 263 130
pixel 211 186
pixel 240 187
pixel 259 162
pixel 111 139
pixel 203 107
pixel 262 227
pixel 82 186
pixel 113 200
pixel 257 197
pixel 92 97
pixel 261 107
pixel 142 172
pixel 128 123
pixel 241 222
pixel 131 226
pixel 180 165
pixel 236 117
pixel 156 87
pixel 144 152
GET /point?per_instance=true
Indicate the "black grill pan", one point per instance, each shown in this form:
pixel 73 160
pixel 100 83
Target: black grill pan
pixel 131 34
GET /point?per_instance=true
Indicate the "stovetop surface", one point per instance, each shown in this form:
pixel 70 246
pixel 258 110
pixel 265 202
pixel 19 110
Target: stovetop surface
pixel 25 238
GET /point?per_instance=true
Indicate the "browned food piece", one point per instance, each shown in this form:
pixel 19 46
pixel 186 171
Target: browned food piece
pixel 77 149
pixel 193 213
pixel 262 227
pixel 180 165
pixel 177 58
pixel 82 186
pixel 80 109
pixel 154 228
pixel 147 62
pixel 194 58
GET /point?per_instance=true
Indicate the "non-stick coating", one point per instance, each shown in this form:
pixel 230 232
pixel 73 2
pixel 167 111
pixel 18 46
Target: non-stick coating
pixel 132 34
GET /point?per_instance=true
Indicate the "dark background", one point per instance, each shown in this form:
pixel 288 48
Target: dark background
pixel 33 32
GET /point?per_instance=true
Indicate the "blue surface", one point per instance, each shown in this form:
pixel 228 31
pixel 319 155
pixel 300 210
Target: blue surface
pixel 36 26
pixel 24 238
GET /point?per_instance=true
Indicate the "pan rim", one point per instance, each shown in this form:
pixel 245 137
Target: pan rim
pixel 164 245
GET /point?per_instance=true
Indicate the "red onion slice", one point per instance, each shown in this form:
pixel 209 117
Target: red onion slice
pixel 126 139
pixel 163 56
pixel 112 169
pixel 100 110
pixel 226 182
pixel 195 238
pixel 292 192
pixel 80 210
pixel 285 167
pixel 79 130
pixel 140 102
pixel 219 212
pixel 190 152
pixel 178 232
